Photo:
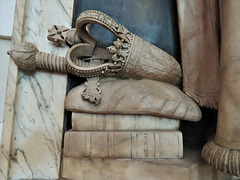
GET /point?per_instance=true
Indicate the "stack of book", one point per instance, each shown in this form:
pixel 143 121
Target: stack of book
pixel 132 134
pixel 123 136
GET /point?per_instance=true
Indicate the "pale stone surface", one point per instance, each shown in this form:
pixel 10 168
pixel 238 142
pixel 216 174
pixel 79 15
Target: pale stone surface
pixel 191 167
pixel 31 146
pixel 9 108
pixel 96 122
pixel 124 144
pixel 4 59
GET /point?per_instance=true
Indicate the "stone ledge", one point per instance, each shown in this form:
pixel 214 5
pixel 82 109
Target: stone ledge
pixel 191 167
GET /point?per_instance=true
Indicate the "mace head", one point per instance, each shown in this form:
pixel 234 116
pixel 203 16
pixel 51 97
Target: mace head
pixel 23 55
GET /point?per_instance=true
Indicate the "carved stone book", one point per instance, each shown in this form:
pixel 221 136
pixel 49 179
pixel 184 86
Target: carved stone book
pixel 99 122
pixel 124 144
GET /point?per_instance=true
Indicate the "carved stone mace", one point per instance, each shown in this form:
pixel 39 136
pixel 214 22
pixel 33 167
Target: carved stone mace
pixel 224 152
pixel 129 57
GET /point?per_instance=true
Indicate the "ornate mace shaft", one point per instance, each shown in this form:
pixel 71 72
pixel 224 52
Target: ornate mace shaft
pixel 27 57
pixel 51 62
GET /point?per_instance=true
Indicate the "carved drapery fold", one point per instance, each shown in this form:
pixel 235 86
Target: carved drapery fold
pixel 223 153
pixel 199 38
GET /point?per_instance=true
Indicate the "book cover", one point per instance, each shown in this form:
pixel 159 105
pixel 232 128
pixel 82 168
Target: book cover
pixel 124 144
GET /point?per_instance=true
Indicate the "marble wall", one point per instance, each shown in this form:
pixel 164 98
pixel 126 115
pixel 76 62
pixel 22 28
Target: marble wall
pixel 6 25
pixel 4 59
pixel 34 109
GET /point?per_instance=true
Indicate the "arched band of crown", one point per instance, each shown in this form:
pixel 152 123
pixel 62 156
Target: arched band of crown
pixel 97 17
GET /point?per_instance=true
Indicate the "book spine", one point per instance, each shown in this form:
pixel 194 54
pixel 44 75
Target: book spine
pixel 124 144
pixel 99 122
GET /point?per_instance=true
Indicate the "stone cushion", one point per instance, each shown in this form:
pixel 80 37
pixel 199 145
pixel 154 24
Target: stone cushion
pixel 132 97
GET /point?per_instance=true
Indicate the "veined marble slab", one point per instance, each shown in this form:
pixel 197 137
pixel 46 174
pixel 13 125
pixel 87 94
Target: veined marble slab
pixel 34 113
pixel 9 110
pixel 4 47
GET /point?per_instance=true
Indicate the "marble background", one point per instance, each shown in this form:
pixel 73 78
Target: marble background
pixel 6 25
pixel 34 109
pixel 4 59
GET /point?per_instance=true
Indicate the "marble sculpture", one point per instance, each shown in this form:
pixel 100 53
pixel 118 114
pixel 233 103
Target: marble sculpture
pixel 149 98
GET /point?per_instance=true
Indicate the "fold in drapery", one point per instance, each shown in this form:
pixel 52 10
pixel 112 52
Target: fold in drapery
pixel 224 152
pixel 228 128
pixel 199 38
